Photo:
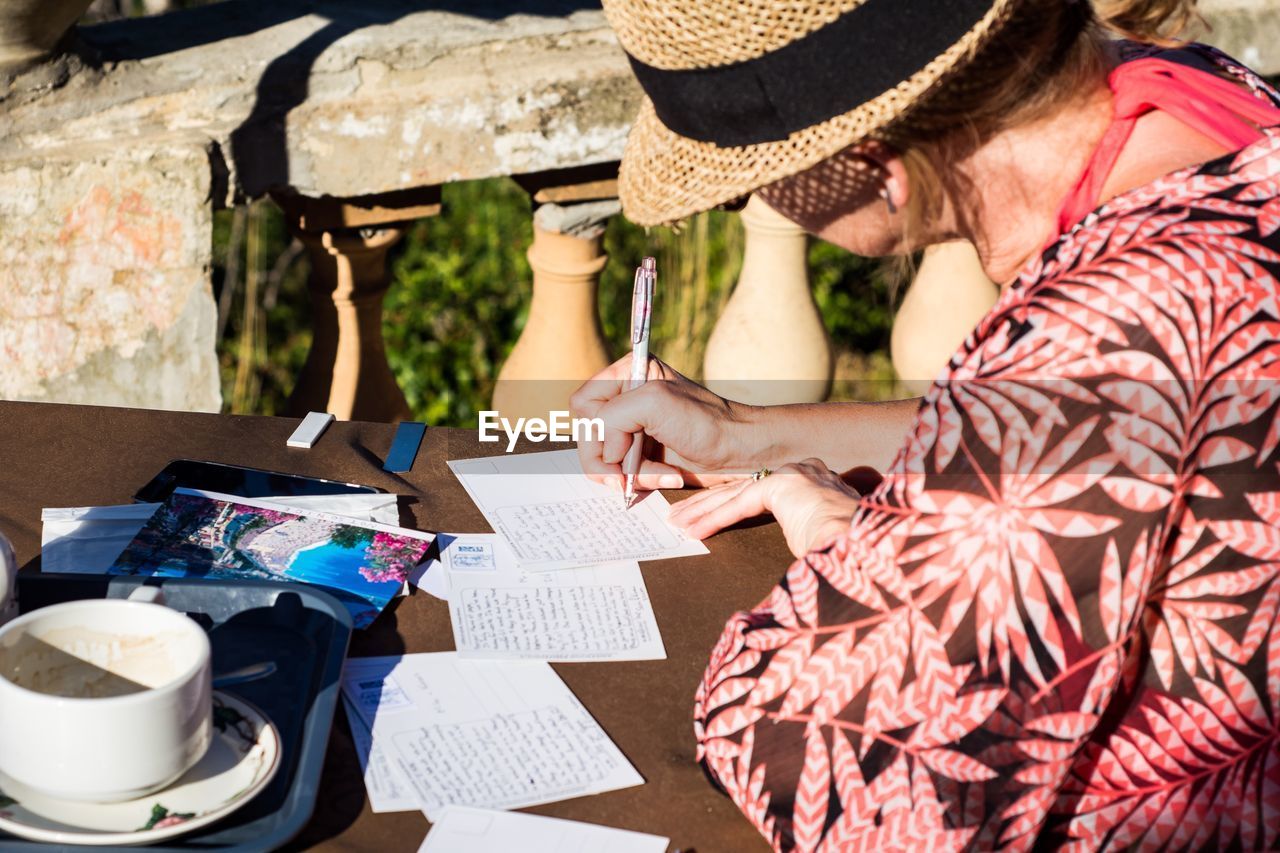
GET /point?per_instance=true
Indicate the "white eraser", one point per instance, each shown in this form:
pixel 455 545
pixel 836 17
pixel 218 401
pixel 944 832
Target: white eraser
pixel 310 430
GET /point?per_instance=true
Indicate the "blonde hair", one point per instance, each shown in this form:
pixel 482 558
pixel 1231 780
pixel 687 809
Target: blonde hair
pixel 1154 21
pixel 1050 53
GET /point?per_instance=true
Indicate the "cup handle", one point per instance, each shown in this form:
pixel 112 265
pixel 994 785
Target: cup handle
pixel 148 595
pixel 8 581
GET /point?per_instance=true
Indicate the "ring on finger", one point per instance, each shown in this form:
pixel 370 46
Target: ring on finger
pixel 756 476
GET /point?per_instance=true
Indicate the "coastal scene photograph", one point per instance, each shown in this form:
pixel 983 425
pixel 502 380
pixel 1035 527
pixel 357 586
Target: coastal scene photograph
pixel 193 535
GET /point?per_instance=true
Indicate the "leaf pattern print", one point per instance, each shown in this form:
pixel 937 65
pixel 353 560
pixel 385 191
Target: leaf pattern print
pixel 1055 623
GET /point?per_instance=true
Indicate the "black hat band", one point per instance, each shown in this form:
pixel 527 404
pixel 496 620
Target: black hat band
pixel 859 56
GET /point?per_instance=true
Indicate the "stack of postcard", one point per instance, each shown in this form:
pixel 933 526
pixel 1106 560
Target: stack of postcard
pixel 560 580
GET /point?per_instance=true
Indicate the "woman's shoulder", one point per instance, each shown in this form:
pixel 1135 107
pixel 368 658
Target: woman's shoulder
pixel 1227 207
pixel 1236 187
pixel 1186 264
pixel 1202 236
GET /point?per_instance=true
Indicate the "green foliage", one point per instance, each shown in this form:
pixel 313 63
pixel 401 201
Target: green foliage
pixel 254 523
pixel 350 536
pixel 459 298
pixel 267 320
pixel 855 295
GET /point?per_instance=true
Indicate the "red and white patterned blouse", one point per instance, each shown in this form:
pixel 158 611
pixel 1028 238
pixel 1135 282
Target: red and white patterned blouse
pixel 1055 622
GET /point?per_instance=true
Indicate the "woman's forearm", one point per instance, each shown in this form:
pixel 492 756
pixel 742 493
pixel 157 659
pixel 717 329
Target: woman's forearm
pixel 843 435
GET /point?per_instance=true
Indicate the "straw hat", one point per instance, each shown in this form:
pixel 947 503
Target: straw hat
pixel 742 93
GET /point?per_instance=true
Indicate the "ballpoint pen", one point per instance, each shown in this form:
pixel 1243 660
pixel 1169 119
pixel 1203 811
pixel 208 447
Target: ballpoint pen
pixel 641 310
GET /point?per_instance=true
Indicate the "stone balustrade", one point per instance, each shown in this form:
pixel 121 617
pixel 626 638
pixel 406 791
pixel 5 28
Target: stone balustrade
pixel 351 115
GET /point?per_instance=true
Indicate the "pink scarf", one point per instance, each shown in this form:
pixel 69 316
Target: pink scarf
pixel 1215 107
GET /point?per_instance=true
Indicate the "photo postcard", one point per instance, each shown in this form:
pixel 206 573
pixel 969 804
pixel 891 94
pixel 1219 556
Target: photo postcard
pixel 203 534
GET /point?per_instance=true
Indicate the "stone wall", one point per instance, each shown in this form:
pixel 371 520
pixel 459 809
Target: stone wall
pixel 104 278
pixel 1249 30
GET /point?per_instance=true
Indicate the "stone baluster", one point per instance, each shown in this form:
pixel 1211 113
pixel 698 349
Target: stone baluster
pixel 947 298
pixel 562 343
pixel 769 346
pixel 346 372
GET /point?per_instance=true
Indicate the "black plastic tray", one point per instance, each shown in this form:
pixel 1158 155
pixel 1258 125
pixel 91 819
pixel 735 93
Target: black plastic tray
pixel 304 631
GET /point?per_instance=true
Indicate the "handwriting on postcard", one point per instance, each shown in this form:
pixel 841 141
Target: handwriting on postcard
pixel 576 620
pixel 590 529
pixel 505 760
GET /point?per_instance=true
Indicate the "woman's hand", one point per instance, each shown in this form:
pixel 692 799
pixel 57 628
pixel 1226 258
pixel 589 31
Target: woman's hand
pixel 812 504
pixel 696 433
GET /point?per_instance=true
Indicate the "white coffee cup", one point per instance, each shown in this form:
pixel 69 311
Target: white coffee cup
pixel 102 700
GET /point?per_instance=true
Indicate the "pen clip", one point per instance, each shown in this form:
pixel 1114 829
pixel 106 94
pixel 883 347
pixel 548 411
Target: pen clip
pixel 642 300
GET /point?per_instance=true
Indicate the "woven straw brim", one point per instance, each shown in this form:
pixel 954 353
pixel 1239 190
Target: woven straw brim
pixel 666 177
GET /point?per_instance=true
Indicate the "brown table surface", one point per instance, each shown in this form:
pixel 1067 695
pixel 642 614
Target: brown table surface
pixel 58 455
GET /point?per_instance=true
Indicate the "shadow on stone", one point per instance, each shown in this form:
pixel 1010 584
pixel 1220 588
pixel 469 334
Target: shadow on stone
pixel 258 146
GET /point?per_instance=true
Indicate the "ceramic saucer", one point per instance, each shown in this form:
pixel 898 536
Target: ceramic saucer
pixel 242 758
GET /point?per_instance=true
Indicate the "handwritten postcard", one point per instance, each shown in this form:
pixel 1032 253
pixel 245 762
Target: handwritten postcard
pixel 499 610
pixel 492 734
pixel 553 517
pixel 203 534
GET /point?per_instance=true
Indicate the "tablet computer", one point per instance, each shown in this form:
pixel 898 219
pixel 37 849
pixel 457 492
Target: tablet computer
pixel 240 481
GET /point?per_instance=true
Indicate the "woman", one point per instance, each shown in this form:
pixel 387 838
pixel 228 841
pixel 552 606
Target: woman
pixel 1054 621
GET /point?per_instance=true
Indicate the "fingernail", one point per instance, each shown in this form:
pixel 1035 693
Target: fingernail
pixel 671 481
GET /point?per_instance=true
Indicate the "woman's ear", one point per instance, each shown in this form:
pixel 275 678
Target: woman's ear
pixel 892 170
